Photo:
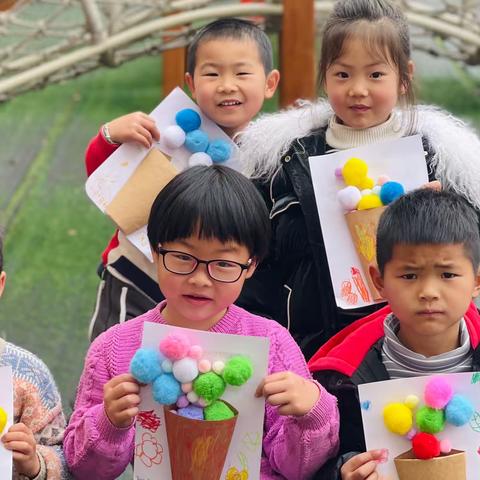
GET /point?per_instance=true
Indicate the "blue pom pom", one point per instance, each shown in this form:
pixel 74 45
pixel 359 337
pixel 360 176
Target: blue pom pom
pixel 188 119
pixel 145 365
pixel 219 150
pixel 166 389
pixel 459 411
pixel 192 411
pixel 391 191
pixel 196 141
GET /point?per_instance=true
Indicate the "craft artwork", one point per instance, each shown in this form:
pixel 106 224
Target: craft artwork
pixel 189 386
pixel 349 251
pixel 363 201
pixel 6 418
pixel 429 456
pixel 126 184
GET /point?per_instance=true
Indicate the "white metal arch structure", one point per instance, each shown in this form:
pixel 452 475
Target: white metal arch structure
pixel 43 41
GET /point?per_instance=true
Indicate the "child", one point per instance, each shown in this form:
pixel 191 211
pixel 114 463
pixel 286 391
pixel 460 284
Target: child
pixel 365 70
pixel 230 73
pixel 428 252
pixel 35 438
pixel 208 228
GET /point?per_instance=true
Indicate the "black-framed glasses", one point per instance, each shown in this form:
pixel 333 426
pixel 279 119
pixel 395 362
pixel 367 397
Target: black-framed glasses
pixel 181 263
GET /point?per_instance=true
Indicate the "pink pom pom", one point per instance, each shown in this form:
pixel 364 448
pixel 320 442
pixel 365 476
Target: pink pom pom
pixel 383 179
pixel 338 172
pixel 187 387
pixel 438 393
pixel 445 446
pixel 195 352
pixel 175 346
pixel 204 365
pixel 411 434
pixel 182 402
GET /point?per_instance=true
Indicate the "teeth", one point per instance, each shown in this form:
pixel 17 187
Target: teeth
pixel 230 103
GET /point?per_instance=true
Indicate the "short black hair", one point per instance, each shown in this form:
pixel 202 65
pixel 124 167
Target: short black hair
pixel 233 28
pixel 1 250
pixel 215 202
pixel 427 216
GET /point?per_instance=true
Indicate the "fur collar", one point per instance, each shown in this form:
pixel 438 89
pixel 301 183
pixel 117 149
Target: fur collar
pixel 455 145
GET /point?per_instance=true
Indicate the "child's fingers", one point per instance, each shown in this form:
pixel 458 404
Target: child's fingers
pixel 271 384
pixel 126 402
pixel 120 386
pixel 363 465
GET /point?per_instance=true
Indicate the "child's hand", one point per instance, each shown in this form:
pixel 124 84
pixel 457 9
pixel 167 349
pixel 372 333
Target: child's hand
pixel 134 127
pixel 293 394
pixel 121 399
pixel 435 185
pixel 20 440
pixel 364 465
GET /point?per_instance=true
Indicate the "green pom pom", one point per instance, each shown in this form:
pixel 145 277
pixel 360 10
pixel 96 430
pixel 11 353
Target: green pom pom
pixel 430 420
pixel 238 370
pixel 218 411
pixel 209 386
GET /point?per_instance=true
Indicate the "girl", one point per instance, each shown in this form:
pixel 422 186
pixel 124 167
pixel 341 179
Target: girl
pixel 366 72
pixel 215 222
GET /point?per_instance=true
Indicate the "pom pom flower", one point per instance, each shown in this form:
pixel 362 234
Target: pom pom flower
pixel 180 375
pixel 441 406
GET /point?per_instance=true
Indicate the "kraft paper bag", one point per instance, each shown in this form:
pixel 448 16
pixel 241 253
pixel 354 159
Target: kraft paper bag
pixel 131 206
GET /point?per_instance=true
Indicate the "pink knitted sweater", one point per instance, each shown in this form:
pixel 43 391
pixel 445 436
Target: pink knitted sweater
pixel 293 447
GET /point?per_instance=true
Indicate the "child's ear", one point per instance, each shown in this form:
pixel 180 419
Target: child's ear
pixel 476 290
pixel 271 83
pixel 3 277
pixel 411 71
pixel 190 83
pixel 251 269
pixel 155 256
pixel 377 278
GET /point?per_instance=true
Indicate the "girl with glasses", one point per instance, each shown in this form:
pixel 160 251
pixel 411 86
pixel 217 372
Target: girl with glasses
pixel 208 229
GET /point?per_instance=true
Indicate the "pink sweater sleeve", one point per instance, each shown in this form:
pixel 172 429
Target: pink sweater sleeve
pixel 98 150
pixel 93 447
pixel 297 447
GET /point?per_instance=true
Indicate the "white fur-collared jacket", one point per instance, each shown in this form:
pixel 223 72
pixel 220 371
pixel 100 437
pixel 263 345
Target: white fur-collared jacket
pixel 293 285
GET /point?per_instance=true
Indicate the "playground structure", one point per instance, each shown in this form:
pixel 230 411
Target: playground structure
pixel 46 41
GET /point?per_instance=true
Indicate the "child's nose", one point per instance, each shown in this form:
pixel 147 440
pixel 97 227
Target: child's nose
pixel 358 89
pixel 200 276
pixel 429 290
pixel 227 84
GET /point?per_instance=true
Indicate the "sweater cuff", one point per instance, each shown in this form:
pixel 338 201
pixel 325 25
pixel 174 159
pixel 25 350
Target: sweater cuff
pixel 107 431
pixel 42 473
pixel 322 413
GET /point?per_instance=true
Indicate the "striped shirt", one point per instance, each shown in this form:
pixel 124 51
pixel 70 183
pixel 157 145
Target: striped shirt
pixel 401 362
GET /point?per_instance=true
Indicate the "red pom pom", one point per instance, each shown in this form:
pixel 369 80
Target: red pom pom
pixel 425 446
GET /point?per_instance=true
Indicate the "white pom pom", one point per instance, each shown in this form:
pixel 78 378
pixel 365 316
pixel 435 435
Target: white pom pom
pixel 192 397
pixel 199 158
pixel 173 136
pixel 376 189
pixel 218 367
pixel 185 370
pixel 167 365
pixel 367 191
pixel 349 197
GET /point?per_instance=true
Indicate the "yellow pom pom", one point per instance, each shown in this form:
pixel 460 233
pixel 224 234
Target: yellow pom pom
pixel 412 401
pixel 3 419
pixel 398 418
pixel 369 201
pixel 355 172
pixel 367 183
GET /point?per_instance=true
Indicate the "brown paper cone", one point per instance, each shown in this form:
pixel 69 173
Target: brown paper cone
pixel 131 206
pixel 451 466
pixel 362 225
pixel 198 448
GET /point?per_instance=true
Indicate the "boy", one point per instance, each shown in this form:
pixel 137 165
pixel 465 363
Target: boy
pixel 428 254
pixel 229 73
pixel 36 436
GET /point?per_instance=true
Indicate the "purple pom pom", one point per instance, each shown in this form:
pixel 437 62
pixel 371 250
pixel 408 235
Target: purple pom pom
pixel 192 411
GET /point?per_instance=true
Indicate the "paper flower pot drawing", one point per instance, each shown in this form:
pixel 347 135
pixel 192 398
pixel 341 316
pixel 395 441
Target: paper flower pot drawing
pixel 450 466
pixel 198 448
pixel 362 225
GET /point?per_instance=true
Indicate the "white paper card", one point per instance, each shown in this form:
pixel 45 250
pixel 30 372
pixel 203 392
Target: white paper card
pixel 151 446
pixel 375 396
pixel 403 160
pixel 6 403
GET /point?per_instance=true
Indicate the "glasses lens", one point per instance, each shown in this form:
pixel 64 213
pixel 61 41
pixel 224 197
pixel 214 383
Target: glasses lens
pixel 178 262
pixel 224 271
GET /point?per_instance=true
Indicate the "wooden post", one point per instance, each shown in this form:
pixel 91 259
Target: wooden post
pixel 297 51
pixel 173 69
pixel 6 4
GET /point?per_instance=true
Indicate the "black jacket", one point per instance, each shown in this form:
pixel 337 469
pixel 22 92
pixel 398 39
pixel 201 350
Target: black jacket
pixel 353 358
pixel 293 284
